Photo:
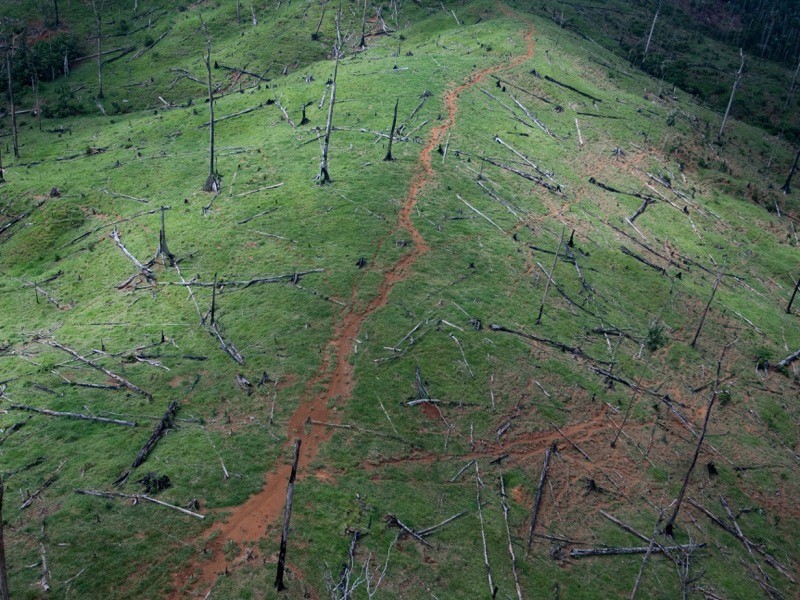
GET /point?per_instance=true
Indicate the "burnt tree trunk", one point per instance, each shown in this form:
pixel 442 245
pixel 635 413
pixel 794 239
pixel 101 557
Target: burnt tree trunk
pixel 324 176
pixel 786 189
pixel 391 132
pixel 287 515
pixel 794 293
pixel 363 43
pixel 211 184
pixel 163 250
pixel 705 312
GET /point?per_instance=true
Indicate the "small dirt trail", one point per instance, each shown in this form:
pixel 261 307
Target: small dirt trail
pixel 249 522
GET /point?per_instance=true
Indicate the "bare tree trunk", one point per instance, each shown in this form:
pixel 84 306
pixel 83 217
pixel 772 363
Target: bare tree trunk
pixel 391 132
pixel 324 176
pixel 212 184
pixel 55 7
pixel 315 35
pixel 163 250
pixel 652 28
pixel 35 85
pixel 736 83
pixel 794 293
pixel 786 189
pixel 13 109
pixel 705 312
pixel 287 515
pixel 550 277
pixel 791 86
pixel 363 43
pixel 668 527
pixel 2 178
pixel 99 22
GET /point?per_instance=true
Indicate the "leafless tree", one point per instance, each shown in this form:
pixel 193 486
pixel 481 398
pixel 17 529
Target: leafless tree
pixel 324 176
pixel 736 83
pixel 652 28
pixel 3 574
pixel 12 107
pixel 786 189
pixel 212 182
pixel 98 18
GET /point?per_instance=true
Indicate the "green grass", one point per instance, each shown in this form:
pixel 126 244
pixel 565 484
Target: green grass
pixel 500 396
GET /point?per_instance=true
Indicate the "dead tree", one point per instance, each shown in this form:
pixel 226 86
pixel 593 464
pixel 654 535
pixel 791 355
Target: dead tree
pixel 315 35
pixel 391 132
pixel 786 189
pixel 794 293
pixel 668 527
pixel 3 572
pixel 164 425
pixel 736 83
pixel 324 176
pixel 287 515
pixel 550 277
pixel 12 108
pixel 98 19
pixel 163 250
pixel 652 28
pixel 363 43
pixel 212 183
pixel 705 312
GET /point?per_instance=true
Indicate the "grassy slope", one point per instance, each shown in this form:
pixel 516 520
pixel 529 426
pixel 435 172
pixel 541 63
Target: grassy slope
pixel 473 271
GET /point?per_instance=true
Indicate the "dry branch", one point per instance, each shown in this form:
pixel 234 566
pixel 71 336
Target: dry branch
pixel 136 498
pixel 538 500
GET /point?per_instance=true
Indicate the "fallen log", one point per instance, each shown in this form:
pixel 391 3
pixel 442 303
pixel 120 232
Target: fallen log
pixel 231 116
pixel 429 530
pixel 47 483
pixel 569 87
pixel 163 426
pixel 148 274
pixel 556 189
pixel 54 413
pixel 643 260
pixel 91 363
pixel 392 520
pixel 222 283
pixel 615 551
pixel 538 500
pixel 136 498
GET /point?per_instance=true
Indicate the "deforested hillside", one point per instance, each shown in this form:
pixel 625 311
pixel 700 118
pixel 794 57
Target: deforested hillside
pixel 394 300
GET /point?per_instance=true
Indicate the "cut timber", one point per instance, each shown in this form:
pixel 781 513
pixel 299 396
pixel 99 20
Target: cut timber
pixel 163 426
pixel 287 515
pixel 54 413
pixel 91 363
pixel 538 500
pixel 583 552
pixel 136 498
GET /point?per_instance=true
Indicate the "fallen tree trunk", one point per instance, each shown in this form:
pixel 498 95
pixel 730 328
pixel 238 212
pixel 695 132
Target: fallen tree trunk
pixel 287 515
pixel 163 426
pixel 54 413
pixel 91 363
pixel 583 552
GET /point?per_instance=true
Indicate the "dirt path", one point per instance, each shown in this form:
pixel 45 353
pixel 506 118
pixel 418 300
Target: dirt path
pixel 248 522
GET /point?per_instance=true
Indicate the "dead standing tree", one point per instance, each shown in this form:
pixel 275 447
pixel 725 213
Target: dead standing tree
pixel 11 108
pixel 212 181
pixel 786 189
pixel 736 83
pixel 98 19
pixel 3 575
pixel 324 176
pixel 391 132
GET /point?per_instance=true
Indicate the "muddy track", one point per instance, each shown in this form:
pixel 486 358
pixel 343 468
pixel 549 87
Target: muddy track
pixel 249 522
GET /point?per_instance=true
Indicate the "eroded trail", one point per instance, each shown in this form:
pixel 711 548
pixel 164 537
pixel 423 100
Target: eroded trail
pixel 248 522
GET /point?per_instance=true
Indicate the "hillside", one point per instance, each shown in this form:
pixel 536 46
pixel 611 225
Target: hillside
pixel 559 321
